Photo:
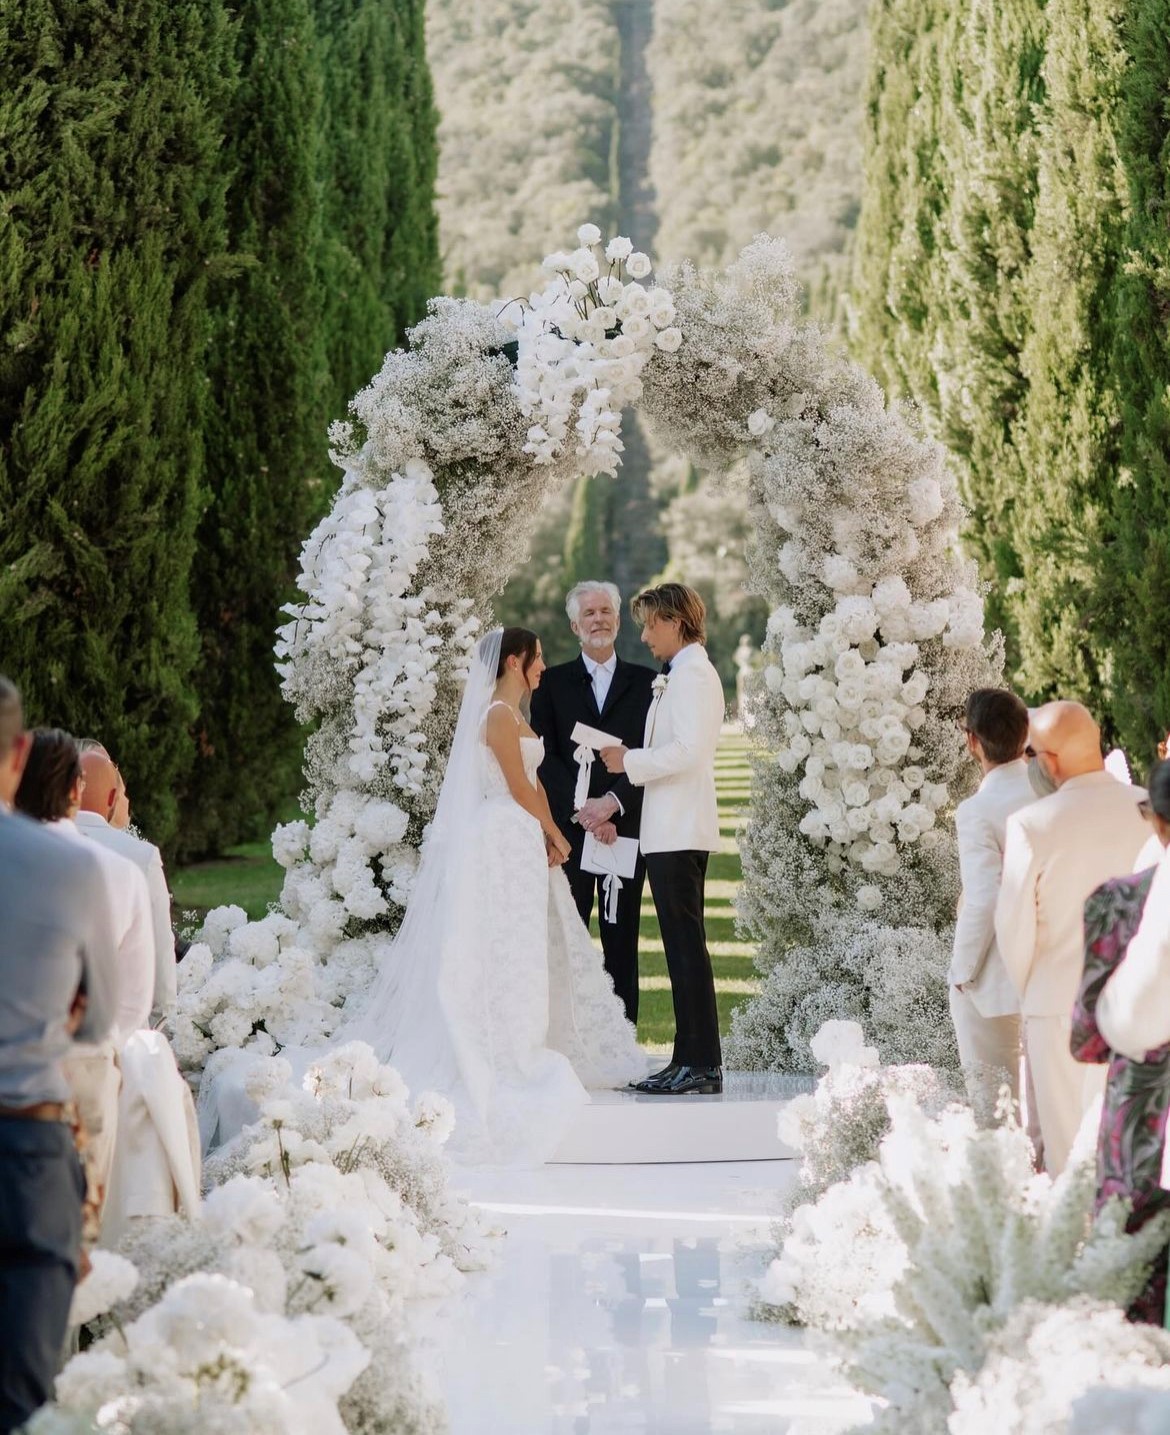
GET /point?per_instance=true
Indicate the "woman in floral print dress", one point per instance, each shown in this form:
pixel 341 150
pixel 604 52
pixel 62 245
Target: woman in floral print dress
pixel 1137 1093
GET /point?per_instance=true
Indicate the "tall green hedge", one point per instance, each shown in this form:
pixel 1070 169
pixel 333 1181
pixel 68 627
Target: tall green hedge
pixel 267 469
pixel 112 229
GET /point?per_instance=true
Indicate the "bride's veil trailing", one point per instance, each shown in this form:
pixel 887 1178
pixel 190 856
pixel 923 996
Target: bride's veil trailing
pixel 406 1018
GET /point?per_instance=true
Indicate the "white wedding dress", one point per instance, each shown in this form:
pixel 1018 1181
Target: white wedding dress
pixel 529 1010
pixel 492 993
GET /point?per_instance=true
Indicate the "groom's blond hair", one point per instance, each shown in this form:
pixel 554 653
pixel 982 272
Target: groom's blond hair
pixel 674 600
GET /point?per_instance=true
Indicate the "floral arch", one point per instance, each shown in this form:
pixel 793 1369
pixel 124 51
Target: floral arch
pixel 875 638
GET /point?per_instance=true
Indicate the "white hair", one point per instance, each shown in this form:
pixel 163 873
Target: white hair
pixel 578 590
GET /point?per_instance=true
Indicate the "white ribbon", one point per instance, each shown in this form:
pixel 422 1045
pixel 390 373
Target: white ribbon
pixel 584 760
pixel 611 886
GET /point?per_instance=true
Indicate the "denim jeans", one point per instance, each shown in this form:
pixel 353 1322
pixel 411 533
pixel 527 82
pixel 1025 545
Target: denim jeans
pixel 41 1192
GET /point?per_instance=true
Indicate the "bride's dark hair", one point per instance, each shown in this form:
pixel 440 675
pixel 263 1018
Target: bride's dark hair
pixel 517 643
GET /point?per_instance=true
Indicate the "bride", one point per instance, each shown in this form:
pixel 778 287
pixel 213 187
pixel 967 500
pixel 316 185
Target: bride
pixel 492 992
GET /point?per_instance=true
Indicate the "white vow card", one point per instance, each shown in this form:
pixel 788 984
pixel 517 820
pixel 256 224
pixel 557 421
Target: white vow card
pixel 593 737
pixel 619 858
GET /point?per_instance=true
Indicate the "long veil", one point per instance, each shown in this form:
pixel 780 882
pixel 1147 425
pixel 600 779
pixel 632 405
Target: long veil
pixel 404 1019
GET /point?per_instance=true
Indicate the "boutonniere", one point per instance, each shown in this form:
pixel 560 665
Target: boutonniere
pixel 658 686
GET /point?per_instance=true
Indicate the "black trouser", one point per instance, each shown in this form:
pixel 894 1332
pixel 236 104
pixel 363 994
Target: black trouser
pixel 676 882
pixel 41 1190
pixel 619 940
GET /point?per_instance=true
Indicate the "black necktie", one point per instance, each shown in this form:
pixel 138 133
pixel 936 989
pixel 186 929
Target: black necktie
pixel 665 669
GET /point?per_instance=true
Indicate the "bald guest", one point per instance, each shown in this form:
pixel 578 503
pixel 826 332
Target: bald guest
pixel 102 801
pixel 1056 852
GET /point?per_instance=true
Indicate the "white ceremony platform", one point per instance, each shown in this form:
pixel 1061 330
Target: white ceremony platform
pixel 626 1128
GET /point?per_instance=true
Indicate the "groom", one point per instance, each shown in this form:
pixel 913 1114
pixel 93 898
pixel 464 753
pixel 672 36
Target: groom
pixel 680 823
pixel 601 690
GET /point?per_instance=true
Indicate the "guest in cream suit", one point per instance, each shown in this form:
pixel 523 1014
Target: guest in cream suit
pixel 1057 852
pixel 680 822
pixel 984 1006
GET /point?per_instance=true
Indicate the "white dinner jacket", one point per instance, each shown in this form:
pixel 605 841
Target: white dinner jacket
pixel 1058 851
pixel 129 907
pixel 146 856
pixel 981 824
pixel 676 765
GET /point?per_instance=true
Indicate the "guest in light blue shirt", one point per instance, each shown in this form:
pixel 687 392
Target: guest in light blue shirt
pixel 57 985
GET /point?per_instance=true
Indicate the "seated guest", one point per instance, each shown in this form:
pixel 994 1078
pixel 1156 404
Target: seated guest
pixel 58 943
pixel 1057 851
pixel 99 810
pixel 1137 1093
pixel 49 790
pixel 984 1006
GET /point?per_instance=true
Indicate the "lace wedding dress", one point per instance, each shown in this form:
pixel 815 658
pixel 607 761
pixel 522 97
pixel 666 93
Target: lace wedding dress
pixel 492 993
pixel 530 1011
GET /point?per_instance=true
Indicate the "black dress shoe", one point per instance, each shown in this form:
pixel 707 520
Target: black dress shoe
pixel 655 1078
pixel 686 1081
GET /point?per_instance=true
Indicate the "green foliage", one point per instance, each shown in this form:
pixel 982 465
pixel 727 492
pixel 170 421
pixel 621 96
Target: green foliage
pixel 1067 437
pixel 266 465
pixel 379 159
pixel 1138 577
pixel 111 230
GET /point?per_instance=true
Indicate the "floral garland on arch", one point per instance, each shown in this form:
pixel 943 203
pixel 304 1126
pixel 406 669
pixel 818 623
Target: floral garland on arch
pixel 874 641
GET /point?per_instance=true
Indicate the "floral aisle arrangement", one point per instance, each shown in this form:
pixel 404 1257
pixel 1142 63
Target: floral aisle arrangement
pixel 328 1222
pixel 915 1264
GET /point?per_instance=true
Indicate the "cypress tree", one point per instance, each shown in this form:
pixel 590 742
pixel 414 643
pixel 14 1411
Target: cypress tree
pixel 111 228
pixel 991 87
pixel 379 162
pixel 1068 436
pixel 1137 591
pixel 267 463
pixel 585 546
pixel 903 194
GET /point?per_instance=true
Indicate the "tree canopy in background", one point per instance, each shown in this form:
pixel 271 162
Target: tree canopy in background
pixel 1011 279
pixel 112 232
pixel 215 224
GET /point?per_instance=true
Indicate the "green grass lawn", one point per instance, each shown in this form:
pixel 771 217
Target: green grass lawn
pixel 249 877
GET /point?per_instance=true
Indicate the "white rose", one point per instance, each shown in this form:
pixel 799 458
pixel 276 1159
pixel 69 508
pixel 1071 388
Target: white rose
pixel 759 422
pixel 638 265
pixel 585 267
pixel 616 250
pixel 589 234
pixel 669 341
pixel 869 898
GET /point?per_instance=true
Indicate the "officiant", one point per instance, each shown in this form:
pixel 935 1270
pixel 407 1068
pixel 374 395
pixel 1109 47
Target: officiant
pixel 602 691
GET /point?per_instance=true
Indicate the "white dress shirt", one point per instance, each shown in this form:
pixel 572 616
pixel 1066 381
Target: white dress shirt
pixel 981 824
pixel 129 907
pixel 146 856
pixel 601 674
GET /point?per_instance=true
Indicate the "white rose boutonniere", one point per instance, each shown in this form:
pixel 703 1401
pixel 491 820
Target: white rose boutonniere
pixel 658 686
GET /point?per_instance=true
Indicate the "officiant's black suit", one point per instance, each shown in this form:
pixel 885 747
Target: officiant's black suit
pixel 563 699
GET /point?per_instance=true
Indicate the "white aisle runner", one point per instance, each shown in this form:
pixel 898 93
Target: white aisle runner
pixel 618 1306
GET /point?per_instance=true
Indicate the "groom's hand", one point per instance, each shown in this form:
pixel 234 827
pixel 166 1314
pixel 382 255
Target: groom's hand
pixel 595 811
pixel 614 758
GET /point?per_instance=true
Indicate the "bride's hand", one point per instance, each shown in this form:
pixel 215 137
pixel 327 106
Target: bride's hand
pixel 558 848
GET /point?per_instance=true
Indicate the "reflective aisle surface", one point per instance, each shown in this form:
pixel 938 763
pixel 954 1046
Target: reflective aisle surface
pixel 618 1305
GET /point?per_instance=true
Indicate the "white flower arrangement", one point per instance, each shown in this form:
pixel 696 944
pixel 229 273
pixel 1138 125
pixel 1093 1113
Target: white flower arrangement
pixel 584 340
pixel 916 1262
pixel 1076 1369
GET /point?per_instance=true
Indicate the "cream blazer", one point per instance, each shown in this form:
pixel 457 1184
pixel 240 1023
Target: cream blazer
pixel 146 856
pixel 1057 852
pixel 676 765
pixel 981 823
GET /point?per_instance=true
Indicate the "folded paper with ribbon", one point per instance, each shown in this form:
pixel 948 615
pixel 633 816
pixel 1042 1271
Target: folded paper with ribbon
pixel 589 740
pixel 613 861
